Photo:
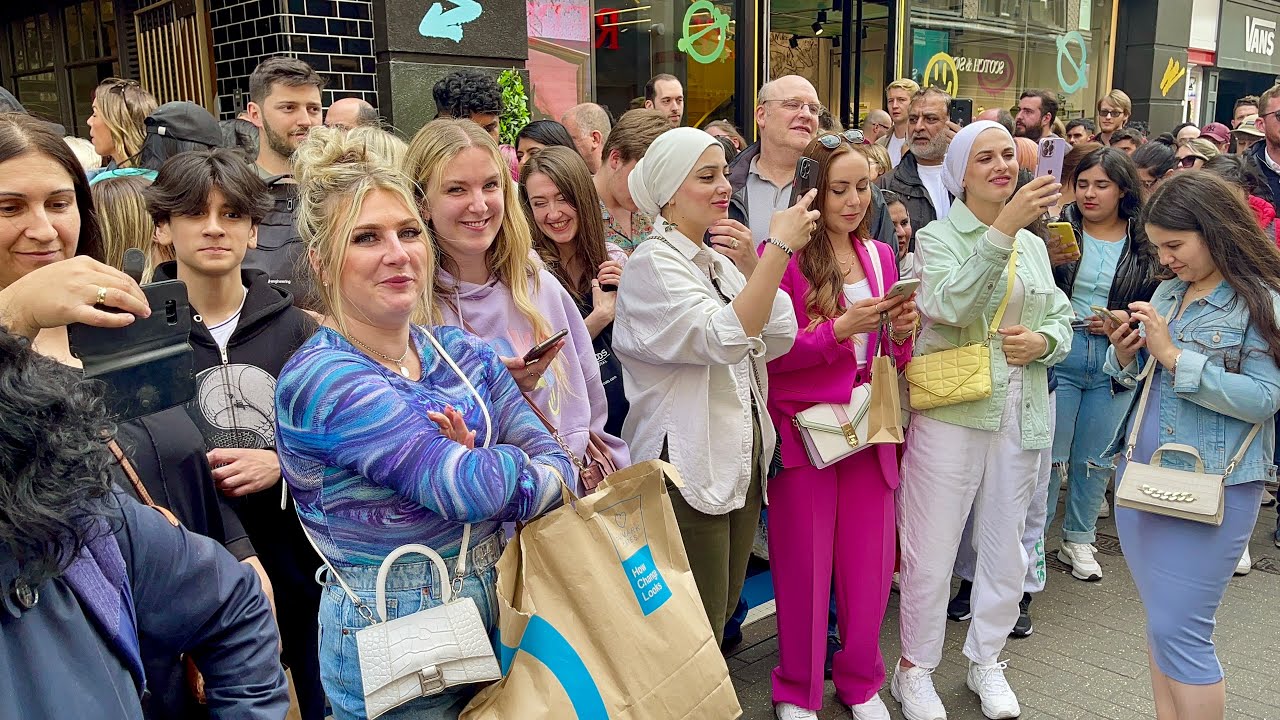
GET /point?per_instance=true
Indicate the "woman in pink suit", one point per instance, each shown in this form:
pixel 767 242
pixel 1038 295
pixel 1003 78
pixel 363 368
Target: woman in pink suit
pixel 837 520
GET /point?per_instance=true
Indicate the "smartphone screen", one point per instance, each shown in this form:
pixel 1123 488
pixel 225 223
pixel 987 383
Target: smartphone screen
pixel 962 111
pixel 1051 153
pixel 541 348
pixel 806 178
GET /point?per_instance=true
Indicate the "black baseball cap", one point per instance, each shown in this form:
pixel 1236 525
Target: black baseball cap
pixel 185 121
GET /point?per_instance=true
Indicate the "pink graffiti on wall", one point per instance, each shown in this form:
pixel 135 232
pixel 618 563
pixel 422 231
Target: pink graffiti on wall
pixel 559 19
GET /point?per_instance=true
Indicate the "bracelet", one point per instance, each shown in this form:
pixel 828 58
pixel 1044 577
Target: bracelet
pixel 781 246
pixel 1174 369
pixel 899 339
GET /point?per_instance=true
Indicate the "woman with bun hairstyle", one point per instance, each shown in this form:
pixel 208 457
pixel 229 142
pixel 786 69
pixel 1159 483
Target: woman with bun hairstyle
pixel 424 437
pixel 490 283
pixel 568 235
pixel 694 336
pixel 840 518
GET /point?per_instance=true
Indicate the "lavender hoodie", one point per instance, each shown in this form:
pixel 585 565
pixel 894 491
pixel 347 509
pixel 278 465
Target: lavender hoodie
pixel 571 395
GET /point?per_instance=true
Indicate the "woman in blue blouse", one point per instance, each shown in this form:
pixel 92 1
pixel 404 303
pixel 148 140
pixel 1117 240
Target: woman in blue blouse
pixel 1211 337
pixel 1117 266
pixel 381 439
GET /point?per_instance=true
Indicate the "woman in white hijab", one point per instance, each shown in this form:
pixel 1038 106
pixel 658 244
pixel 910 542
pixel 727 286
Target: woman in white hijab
pixel 693 336
pixel 984 454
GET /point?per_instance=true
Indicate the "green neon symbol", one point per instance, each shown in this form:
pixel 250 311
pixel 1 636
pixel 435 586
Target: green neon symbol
pixel 719 20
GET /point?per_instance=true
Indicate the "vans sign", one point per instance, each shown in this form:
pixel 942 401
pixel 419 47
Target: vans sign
pixel 1247 36
pixel 1259 35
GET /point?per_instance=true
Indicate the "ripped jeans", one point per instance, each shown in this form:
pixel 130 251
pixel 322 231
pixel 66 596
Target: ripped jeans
pixel 1087 416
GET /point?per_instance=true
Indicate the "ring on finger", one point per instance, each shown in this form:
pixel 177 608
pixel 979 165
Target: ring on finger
pixel 734 244
pixel 102 296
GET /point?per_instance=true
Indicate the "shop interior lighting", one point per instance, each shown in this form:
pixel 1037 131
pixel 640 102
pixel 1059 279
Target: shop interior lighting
pixel 817 28
pixel 794 42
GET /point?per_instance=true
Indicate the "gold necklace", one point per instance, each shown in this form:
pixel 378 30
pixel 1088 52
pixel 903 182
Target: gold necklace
pixel 399 362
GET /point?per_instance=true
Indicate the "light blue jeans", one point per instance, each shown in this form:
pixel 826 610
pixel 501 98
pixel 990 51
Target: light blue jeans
pixel 413 584
pixel 1087 416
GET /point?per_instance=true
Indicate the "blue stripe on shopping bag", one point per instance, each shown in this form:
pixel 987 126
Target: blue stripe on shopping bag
pixel 546 645
pixel 647 583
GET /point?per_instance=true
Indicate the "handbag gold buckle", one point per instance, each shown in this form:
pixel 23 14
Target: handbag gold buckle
pixel 432 679
pixel 850 434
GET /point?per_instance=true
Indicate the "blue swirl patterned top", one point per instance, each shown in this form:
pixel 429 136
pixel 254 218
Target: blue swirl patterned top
pixel 370 472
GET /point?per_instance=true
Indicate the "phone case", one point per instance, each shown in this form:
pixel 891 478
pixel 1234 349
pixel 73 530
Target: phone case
pixel 147 366
pixel 806 178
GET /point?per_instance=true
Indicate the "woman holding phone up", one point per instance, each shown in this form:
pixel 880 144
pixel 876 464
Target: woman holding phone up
pixel 1117 266
pixel 838 518
pixel 1210 343
pixel 489 283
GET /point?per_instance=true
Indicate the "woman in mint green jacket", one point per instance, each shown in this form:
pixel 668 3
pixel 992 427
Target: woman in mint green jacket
pixel 983 455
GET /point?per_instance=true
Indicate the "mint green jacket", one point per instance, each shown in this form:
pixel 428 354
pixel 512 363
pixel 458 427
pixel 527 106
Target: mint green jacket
pixel 963 274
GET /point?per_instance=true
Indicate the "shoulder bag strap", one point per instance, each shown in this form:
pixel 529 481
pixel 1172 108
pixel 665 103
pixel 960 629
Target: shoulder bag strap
pixel 1008 293
pixel 138 487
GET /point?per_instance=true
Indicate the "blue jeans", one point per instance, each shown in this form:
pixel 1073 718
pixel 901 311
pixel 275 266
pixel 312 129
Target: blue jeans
pixel 1087 416
pixel 413 585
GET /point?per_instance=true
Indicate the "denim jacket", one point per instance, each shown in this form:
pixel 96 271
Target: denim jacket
pixel 1226 381
pixel 963 272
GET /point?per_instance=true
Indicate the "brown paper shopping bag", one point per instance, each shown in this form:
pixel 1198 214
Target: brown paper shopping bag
pixel 884 416
pixel 599 616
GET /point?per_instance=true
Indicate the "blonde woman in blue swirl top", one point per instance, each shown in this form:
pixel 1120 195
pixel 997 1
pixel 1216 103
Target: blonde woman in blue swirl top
pixel 381 440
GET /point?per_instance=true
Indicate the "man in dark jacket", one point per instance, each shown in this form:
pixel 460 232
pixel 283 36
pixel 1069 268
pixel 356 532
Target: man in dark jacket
pixel 284 102
pixel 1264 153
pixel 206 206
pixel 918 178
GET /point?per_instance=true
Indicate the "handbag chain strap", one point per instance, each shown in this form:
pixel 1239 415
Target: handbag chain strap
pixel 584 463
pixel 1008 293
pixel 460 567
pixel 1148 379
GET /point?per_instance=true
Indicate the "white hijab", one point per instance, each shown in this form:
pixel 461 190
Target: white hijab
pixel 665 166
pixel 956 160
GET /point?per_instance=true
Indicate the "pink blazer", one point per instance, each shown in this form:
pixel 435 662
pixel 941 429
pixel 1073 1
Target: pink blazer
pixel 819 369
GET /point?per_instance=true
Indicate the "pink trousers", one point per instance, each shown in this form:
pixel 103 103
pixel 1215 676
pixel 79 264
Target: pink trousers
pixel 839 520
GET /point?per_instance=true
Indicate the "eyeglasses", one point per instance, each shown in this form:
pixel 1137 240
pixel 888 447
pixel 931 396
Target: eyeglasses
pixel 792 105
pixel 1274 114
pixel 1190 160
pixel 832 140
pixel 881 126
pixel 1110 113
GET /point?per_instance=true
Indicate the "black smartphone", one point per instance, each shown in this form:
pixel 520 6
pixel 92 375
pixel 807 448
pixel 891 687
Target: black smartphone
pixel 962 111
pixel 541 348
pixel 806 178
pixel 147 366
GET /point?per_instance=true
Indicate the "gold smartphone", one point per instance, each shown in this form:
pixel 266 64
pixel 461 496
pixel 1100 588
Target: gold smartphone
pixel 1065 236
pixel 1106 313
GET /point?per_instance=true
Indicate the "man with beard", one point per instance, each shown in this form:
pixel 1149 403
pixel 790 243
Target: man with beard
pixel 665 94
pixel 918 178
pixel 1037 109
pixel 284 102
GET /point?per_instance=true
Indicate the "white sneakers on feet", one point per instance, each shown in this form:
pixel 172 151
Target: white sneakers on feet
pixel 1080 557
pixel 1104 509
pixel 873 709
pixel 1246 563
pixel 913 688
pixel 998 700
pixel 787 711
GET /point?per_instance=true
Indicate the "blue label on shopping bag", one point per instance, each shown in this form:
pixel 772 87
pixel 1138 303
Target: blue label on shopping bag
pixel 647 583
pixel 546 645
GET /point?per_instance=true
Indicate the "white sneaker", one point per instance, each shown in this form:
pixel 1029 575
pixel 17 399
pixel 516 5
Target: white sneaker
pixel 913 688
pixel 787 711
pixel 998 700
pixel 1080 557
pixel 1246 563
pixel 1104 509
pixel 873 709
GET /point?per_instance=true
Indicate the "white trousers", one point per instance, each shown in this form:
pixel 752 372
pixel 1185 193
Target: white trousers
pixel 947 471
pixel 1032 535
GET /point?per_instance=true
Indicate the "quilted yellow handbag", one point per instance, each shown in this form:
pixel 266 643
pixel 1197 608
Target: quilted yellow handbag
pixel 962 374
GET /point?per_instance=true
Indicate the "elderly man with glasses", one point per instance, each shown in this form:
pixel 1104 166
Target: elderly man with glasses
pixel 877 125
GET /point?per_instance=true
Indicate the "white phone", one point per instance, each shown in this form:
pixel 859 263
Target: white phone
pixel 903 288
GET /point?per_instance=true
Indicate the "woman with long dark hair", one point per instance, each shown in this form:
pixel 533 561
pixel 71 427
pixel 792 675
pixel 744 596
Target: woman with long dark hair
pixel 1117 266
pixel 568 234
pixel 1208 345
pixel 838 519
pixel 1155 161
pixel 540 134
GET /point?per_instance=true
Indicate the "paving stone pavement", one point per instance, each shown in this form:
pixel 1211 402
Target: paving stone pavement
pixel 1087 657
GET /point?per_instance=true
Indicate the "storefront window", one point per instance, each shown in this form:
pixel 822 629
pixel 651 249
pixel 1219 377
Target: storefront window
pixel 693 40
pixel 559 54
pixel 992 50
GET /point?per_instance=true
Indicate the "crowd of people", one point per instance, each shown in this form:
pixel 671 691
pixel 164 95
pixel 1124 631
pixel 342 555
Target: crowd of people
pixel 425 341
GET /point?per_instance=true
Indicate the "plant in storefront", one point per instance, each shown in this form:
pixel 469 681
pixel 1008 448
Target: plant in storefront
pixel 515 106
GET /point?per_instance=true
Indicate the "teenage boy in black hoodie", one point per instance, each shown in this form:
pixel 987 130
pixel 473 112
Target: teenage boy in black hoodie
pixel 207 206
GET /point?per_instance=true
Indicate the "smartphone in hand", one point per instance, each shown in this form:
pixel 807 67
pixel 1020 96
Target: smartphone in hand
pixel 961 111
pixel 544 347
pixel 1064 235
pixel 1051 152
pixel 903 288
pixel 806 178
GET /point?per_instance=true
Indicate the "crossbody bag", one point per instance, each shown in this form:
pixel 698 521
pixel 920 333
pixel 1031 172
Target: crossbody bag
pixel 961 374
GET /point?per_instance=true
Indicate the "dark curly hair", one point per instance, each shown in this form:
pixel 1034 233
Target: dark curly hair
pixel 467 92
pixel 54 464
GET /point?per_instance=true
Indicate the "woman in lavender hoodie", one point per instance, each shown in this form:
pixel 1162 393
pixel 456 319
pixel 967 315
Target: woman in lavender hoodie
pixel 490 283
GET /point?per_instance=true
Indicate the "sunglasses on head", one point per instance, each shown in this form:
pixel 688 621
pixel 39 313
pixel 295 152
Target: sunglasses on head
pixel 1190 160
pixel 833 140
